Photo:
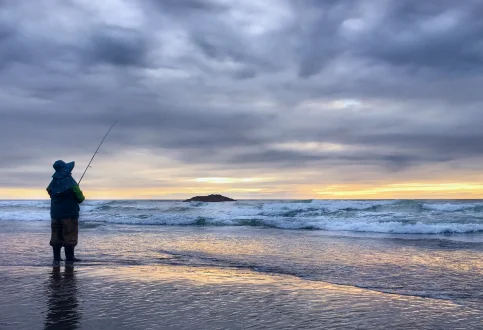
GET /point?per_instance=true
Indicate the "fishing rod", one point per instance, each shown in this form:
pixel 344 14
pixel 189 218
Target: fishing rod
pixel 95 153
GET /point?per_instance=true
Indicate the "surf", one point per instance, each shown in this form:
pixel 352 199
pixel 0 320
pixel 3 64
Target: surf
pixel 368 216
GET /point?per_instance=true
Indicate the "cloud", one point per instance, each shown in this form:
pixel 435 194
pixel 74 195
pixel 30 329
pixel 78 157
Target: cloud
pixel 119 46
pixel 218 84
pixel 197 6
pixel 436 35
pixel 428 35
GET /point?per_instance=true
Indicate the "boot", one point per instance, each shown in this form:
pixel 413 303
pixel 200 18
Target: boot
pixel 69 254
pixel 56 249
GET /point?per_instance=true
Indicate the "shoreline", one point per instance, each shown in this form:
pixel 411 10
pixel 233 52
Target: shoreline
pixel 181 297
pixel 163 277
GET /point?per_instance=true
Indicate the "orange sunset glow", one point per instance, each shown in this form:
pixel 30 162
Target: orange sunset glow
pixel 333 191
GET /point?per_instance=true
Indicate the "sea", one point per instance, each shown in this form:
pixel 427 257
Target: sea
pixel 368 216
pixel 261 264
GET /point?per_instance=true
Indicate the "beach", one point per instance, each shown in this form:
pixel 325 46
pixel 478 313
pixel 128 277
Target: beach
pixel 229 164
pixel 141 275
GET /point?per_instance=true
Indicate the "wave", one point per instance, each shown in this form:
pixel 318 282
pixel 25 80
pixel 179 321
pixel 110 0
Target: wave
pixel 393 227
pixel 380 216
pixel 452 207
pixel 325 206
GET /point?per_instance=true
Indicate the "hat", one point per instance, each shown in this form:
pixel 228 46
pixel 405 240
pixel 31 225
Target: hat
pixel 62 169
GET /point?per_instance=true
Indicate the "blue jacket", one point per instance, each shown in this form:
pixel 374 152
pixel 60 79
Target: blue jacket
pixel 65 205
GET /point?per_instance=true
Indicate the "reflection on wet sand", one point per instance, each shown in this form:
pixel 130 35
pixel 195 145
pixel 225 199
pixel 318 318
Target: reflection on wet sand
pixel 62 302
pixel 135 277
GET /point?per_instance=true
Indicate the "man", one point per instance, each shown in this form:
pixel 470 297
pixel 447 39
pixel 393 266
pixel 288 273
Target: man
pixel 65 196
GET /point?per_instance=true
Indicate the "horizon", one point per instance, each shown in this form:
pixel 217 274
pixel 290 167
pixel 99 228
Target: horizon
pixel 255 199
pixel 286 100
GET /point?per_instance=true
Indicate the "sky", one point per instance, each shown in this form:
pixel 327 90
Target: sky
pixel 252 99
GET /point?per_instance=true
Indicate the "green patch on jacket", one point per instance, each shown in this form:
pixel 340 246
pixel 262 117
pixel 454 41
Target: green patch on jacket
pixel 78 194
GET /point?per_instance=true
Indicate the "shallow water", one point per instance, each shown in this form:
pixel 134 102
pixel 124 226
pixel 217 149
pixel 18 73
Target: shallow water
pixel 155 277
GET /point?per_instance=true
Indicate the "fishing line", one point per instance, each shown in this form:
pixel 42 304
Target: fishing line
pixel 95 153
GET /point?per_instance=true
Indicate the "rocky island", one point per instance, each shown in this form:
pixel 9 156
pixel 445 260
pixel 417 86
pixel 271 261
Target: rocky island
pixel 210 198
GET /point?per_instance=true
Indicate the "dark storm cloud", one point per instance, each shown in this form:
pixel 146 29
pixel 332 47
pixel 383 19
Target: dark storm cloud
pixel 316 30
pixel 223 47
pixel 395 83
pixel 187 6
pixel 119 46
pixel 13 46
pixel 393 161
pixel 416 36
pixel 440 35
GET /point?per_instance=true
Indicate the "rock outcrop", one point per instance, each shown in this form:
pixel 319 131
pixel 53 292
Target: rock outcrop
pixel 210 199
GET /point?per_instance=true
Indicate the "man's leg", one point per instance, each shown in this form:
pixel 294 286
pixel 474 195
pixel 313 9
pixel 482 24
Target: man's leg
pixel 56 239
pixel 70 232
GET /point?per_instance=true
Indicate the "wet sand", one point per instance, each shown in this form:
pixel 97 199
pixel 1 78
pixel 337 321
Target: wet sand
pixel 164 297
pixel 128 281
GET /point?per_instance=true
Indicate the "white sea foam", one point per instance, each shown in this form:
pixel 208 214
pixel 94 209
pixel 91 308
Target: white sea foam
pixel 452 207
pixel 24 203
pixel 384 216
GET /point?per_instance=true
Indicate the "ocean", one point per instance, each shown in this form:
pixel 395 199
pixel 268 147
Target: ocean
pixel 379 216
pixel 365 264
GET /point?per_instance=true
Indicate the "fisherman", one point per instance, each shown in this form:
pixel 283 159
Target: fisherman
pixel 65 196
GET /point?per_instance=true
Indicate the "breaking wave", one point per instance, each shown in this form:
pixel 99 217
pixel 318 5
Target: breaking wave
pixel 380 216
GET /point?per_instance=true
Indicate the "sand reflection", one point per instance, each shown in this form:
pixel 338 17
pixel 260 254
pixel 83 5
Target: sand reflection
pixel 62 302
